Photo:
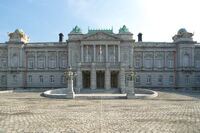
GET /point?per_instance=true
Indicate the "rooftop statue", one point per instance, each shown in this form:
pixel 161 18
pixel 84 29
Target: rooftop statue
pixel 76 29
pixel 18 36
pixel 124 29
pixel 183 35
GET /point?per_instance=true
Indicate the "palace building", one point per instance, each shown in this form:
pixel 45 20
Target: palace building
pixel 102 59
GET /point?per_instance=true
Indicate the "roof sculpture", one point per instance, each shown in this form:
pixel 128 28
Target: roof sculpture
pixel 124 29
pixel 18 36
pixel 183 36
pixel 76 29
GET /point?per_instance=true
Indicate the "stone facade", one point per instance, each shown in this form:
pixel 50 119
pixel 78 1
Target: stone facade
pixel 101 59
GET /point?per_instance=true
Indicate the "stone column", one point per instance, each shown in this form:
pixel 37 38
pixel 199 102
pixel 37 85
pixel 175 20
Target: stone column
pixel 21 57
pixel 165 61
pixel 107 77
pixel 82 53
pixel 79 78
pixel 46 60
pixel 119 53
pixel 154 61
pixel 106 53
pixel 143 61
pixel 93 77
pixel 122 78
pixel 94 53
pixel 35 66
pixel 57 60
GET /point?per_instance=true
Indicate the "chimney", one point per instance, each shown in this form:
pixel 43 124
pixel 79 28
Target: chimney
pixel 140 37
pixel 61 37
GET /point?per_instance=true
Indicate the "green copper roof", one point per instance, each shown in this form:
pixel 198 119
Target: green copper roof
pixel 19 31
pixel 110 31
pixel 124 29
pixel 76 29
pixel 182 30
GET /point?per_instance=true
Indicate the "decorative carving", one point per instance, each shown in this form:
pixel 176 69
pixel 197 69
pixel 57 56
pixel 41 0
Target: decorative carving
pixel 159 55
pixel 100 36
pixel 170 55
pixel 138 54
pixel 148 54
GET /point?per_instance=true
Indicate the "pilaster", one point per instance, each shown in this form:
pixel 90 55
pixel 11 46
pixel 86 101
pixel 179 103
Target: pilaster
pixel 107 77
pixel 93 77
pixel 79 77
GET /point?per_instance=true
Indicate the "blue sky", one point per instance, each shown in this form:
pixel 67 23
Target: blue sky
pixel 43 20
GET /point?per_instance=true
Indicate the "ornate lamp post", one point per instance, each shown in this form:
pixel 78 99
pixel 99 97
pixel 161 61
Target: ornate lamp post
pixel 130 89
pixel 70 75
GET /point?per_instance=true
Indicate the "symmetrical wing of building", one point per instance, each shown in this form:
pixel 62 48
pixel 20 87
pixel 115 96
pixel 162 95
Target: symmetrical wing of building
pixel 102 60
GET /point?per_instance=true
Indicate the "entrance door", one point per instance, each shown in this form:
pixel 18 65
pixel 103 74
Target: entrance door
pixel 86 79
pixel 114 79
pixel 100 79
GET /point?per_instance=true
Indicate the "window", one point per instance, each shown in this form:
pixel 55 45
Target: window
pixel 171 79
pixel 197 63
pixel 41 63
pixel 148 79
pixel 187 79
pixel 30 78
pixel 170 63
pixel 14 78
pixel 198 79
pixel 186 60
pixel 137 79
pixel 63 79
pixel 3 79
pixel 137 63
pixel 3 62
pixel 14 61
pixel 63 63
pixel 30 62
pixel 148 63
pixel 52 79
pixel 160 79
pixel 41 79
pixel 52 63
pixel 158 63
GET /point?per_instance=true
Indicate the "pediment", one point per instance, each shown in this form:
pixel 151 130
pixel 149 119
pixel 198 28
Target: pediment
pixel 100 36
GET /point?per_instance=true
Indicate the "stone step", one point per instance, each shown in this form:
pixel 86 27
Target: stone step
pixel 100 96
pixel 98 91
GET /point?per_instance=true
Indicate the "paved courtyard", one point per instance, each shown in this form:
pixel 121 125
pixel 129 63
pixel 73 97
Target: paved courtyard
pixel 31 113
